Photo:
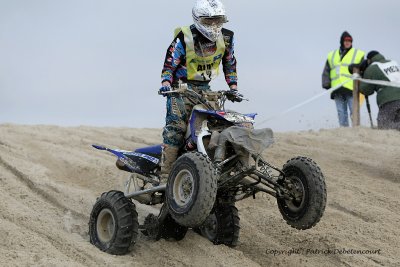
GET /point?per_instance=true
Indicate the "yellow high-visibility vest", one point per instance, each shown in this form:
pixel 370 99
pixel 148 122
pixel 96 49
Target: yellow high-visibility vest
pixel 340 67
pixel 201 68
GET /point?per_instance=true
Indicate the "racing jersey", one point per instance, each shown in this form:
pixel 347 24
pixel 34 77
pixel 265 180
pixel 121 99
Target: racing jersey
pixel 175 67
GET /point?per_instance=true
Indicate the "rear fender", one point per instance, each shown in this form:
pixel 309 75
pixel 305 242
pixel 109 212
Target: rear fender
pixel 122 155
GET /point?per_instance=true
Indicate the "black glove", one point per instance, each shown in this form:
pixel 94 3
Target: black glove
pixel 363 66
pixel 352 66
pixel 234 96
pixel 327 86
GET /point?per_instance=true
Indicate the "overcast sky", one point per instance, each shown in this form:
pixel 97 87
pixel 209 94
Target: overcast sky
pixel 98 62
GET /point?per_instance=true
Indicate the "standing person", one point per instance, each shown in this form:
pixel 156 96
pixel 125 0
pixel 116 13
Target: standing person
pixel 336 72
pixel 388 98
pixel 194 58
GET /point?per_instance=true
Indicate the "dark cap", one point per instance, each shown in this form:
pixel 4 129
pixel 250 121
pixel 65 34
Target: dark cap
pixel 372 54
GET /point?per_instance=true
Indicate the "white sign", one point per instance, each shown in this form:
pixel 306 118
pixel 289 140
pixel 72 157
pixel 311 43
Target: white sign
pixel 391 70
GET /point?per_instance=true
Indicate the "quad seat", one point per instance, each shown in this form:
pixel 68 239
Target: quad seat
pixel 154 151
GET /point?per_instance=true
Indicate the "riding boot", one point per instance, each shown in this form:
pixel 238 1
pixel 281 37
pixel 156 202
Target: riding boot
pixel 169 155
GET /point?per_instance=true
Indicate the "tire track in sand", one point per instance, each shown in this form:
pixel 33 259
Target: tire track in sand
pixel 38 191
pixel 66 248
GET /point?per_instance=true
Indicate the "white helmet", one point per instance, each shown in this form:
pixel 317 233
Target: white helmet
pixel 208 16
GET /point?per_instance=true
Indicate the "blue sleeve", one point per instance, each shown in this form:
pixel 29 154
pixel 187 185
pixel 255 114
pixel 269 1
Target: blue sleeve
pixel 175 55
pixel 229 62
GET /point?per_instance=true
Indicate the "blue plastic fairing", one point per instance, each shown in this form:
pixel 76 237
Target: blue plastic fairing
pixel 152 150
pixel 251 115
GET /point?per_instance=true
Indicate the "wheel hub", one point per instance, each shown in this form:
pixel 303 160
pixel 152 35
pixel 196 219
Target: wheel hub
pixel 183 187
pixel 296 190
pixel 105 226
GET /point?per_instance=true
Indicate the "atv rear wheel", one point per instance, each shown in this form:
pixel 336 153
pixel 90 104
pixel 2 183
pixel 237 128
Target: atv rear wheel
pixel 306 185
pixel 222 226
pixel 113 224
pixel 191 189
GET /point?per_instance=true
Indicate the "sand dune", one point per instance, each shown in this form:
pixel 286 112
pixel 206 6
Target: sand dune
pixel 50 178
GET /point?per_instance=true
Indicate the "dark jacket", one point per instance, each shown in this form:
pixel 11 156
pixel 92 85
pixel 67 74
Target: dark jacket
pixel 385 94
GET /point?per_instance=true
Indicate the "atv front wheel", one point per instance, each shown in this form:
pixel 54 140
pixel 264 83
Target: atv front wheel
pixel 306 186
pixel 113 224
pixel 222 225
pixel 191 189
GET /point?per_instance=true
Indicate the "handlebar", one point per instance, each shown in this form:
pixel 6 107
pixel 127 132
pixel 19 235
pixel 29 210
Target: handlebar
pixel 231 95
pixel 234 96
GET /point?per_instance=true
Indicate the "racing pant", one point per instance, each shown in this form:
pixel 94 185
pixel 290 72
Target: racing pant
pixel 179 109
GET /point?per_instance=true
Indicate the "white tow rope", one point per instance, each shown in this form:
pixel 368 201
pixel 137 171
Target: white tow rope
pixel 353 77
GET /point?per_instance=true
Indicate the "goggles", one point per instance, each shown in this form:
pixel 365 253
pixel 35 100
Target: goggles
pixel 212 21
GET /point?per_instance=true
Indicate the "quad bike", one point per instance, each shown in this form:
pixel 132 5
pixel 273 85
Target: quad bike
pixel 219 165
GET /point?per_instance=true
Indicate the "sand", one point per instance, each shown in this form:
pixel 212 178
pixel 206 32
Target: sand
pixel 50 177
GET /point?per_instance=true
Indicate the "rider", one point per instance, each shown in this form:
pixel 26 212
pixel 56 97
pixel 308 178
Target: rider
pixel 194 57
